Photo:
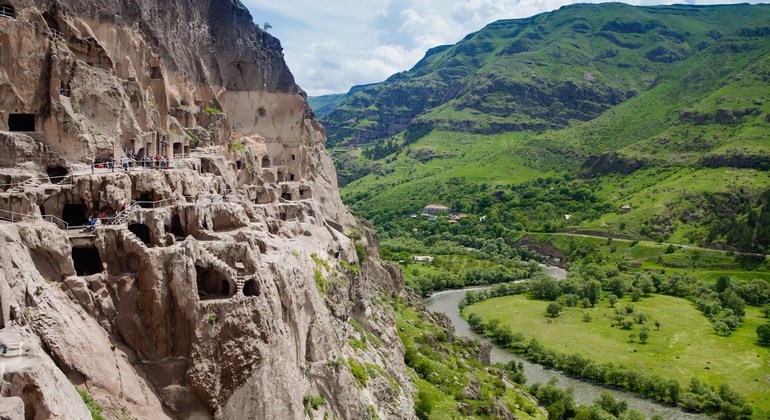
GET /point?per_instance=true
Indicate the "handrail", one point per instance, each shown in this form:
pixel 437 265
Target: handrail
pixel 7 12
pixel 17 217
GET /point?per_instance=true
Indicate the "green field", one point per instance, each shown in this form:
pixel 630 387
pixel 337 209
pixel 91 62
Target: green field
pixel 684 347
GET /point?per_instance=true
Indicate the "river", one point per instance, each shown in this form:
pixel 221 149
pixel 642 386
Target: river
pixel 584 391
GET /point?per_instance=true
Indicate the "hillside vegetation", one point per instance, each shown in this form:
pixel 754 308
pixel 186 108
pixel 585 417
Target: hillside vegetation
pixel 664 109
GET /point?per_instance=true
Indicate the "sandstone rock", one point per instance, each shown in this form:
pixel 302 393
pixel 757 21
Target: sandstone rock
pixel 221 293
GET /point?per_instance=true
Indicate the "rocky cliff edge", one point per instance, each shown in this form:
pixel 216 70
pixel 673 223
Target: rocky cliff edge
pixel 223 277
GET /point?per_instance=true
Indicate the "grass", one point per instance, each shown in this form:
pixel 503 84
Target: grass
pixel 440 372
pixel 685 347
pixel 704 264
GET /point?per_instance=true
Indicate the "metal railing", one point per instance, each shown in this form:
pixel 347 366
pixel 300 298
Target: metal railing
pixel 18 217
pixel 57 34
pixel 7 12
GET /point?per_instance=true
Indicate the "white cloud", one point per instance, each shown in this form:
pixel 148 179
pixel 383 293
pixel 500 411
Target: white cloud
pixel 332 45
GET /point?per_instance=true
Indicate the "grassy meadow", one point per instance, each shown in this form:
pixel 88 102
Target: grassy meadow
pixel 685 346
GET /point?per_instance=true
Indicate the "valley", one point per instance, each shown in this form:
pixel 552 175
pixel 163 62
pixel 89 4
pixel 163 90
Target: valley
pixel 626 144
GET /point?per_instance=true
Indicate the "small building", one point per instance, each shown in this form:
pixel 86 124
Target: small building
pixel 567 216
pixel 435 209
pixel 425 258
pixel 625 209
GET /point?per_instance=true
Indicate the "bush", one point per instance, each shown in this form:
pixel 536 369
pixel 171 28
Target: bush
pixel 553 309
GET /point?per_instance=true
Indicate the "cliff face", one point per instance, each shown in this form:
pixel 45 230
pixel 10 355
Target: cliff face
pixel 237 284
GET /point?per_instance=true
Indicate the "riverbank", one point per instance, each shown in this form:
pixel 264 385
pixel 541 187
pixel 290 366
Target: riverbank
pixel 584 391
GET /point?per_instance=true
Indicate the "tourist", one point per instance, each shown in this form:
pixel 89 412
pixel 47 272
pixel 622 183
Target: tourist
pixel 125 163
pixel 196 198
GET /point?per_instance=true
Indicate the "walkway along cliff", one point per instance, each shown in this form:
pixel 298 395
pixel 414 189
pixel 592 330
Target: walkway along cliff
pixel 227 289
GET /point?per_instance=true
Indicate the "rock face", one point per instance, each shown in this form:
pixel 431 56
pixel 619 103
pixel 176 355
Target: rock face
pixel 224 284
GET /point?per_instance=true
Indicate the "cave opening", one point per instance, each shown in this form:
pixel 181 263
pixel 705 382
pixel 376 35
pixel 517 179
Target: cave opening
pixel 146 200
pixel 265 162
pixel 280 176
pixel 211 284
pixel 176 228
pixel 87 261
pixel 7 11
pixel 286 196
pixel 156 73
pixel 56 173
pixel 142 232
pixel 74 214
pixel 238 164
pixel 251 288
pixel 21 122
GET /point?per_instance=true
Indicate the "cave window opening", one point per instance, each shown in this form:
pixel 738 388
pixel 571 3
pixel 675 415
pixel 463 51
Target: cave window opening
pixel 293 157
pixel 251 288
pixel 142 232
pixel 145 200
pixel 177 148
pixel 286 196
pixel 74 214
pixel 283 216
pixel 176 227
pixel 238 164
pixel 262 112
pixel 211 284
pixel 265 162
pixel 56 173
pixel 87 261
pixel 280 176
pixel 108 211
pixel 8 12
pixel 21 122
pixel 156 73
pixel 291 177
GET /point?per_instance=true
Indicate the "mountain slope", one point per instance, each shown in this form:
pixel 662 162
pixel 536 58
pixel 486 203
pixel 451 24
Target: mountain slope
pixel 544 72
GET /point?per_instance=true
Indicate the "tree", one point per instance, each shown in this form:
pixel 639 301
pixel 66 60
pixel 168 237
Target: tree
pixel 763 333
pixel 266 26
pixel 765 311
pixel 586 317
pixel 613 300
pixel 640 317
pixel 644 334
pixel 721 327
pixel 632 336
pixel 593 291
pixel 657 325
pixel 553 309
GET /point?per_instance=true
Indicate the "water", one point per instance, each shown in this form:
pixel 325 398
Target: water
pixel 584 391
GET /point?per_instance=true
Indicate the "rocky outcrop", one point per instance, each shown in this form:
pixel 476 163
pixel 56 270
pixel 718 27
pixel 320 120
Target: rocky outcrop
pixel 611 162
pixel 223 282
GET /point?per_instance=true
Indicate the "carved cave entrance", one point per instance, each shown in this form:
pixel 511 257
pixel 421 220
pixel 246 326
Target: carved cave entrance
pixel 211 284
pixel 74 214
pixel 21 122
pixel 142 232
pixel 87 261
pixel 176 227
pixel 56 173
pixel 251 288
pixel 265 162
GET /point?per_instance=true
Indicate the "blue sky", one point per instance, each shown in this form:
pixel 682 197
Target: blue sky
pixel 331 46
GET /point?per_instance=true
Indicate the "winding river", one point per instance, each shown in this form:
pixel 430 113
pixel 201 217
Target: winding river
pixel 584 391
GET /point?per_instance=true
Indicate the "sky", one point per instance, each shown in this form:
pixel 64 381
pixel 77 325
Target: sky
pixel 331 46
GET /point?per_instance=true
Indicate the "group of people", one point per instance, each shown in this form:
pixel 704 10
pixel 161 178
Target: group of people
pixel 128 162
pixel 103 219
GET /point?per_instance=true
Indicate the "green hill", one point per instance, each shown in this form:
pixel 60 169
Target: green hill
pixel 612 98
